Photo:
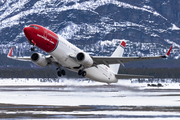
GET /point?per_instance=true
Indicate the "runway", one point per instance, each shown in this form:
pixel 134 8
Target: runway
pixel 80 99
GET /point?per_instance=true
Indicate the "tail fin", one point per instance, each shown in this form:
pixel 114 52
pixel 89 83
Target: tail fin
pixel 117 53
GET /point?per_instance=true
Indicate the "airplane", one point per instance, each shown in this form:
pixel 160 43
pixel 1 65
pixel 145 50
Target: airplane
pixel 63 54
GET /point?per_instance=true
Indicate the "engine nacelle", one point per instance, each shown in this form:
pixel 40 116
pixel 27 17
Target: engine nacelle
pixel 84 59
pixel 39 59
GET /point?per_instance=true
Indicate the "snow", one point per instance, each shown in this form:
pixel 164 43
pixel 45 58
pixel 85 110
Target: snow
pixel 100 113
pixel 82 92
pixel 37 82
pixel 154 35
pixel 82 82
pixel 71 29
pixel 113 42
pixel 177 57
pixel 41 6
pixel 174 27
pixel 77 98
pixel 173 43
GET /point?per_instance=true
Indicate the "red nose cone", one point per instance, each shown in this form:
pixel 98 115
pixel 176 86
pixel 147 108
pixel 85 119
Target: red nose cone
pixel 41 37
pixel 27 32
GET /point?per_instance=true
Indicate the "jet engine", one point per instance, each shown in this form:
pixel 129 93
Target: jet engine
pixel 84 59
pixel 39 59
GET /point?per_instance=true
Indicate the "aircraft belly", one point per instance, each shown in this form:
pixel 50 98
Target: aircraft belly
pixel 62 55
pixel 99 75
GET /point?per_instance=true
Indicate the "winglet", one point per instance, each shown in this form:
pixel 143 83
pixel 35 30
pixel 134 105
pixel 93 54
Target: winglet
pixel 169 51
pixel 167 54
pixel 123 44
pixel 10 52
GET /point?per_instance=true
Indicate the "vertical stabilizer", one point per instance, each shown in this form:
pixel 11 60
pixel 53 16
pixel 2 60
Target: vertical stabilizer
pixel 117 53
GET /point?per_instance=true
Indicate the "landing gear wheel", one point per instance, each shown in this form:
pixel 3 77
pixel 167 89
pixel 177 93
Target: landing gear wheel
pixel 80 72
pixel 63 72
pixel 59 73
pixel 84 73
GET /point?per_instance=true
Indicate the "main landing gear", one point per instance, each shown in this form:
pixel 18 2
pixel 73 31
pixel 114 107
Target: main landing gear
pixel 61 72
pixel 81 72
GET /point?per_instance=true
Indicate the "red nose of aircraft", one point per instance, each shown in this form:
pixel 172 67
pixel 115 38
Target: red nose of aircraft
pixel 41 37
pixel 27 32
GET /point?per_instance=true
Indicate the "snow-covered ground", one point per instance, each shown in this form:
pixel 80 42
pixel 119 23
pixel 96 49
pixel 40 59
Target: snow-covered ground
pixel 124 99
pixel 82 82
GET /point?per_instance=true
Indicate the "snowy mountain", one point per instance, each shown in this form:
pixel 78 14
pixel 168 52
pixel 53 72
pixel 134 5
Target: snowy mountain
pixel 149 27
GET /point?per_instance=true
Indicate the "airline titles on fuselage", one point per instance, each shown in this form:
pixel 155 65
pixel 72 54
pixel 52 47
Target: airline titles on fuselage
pixel 45 38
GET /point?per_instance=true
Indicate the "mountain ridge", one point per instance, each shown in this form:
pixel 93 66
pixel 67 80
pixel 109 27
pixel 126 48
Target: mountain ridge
pixel 95 26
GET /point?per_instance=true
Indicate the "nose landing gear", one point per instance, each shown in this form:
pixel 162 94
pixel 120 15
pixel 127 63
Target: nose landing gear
pixel 32 42
pixel 33 48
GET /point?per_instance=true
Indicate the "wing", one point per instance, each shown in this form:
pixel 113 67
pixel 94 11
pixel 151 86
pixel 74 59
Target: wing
pixel 121 60
pixel 129 76
pixel 50 59
pixel 18 58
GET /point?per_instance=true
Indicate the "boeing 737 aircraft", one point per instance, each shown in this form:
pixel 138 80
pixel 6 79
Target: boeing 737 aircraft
pixel 63 54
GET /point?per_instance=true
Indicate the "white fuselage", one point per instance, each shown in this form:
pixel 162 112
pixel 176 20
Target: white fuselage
pixel 100 73
pixel 65 54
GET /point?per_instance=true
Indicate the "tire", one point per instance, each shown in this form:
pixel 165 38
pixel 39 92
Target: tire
pixel 59 73
pixel 63 72
pixel 80 72
pixel 84 73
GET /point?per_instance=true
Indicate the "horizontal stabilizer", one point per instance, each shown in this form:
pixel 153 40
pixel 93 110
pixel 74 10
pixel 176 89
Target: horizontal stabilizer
pixel 129 76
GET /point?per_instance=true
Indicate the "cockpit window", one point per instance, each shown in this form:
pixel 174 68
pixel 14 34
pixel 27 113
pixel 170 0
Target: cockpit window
pixel 34 27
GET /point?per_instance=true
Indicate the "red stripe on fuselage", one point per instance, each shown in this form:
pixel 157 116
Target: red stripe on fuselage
pixel 42 37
